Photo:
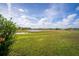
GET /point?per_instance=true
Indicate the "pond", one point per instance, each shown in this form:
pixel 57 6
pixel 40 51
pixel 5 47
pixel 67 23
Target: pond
pixel 29 31
pixel 34 30
pixel 21 33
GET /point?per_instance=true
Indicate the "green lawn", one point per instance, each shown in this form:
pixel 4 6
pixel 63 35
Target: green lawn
pixel 46 43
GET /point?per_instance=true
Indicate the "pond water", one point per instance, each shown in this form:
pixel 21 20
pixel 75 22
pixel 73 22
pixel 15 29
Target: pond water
pixel 21 33
pixel 28 32
pixel 34 30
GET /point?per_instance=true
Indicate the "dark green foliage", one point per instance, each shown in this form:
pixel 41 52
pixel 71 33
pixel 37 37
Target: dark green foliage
pixel 7 30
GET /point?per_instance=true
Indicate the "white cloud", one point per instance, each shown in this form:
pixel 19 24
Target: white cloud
pixel 66 22
pixel 76 23
pixel 21 10
pixel 77 8
pixel 22 21
pixel 50 13
pixel 72 16
pixel 54 11
pixel 69 18
pixel 25 21
pixel 23 16
pixel 45 23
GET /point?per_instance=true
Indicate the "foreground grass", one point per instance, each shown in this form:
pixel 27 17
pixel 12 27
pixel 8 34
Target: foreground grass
pixel 46 43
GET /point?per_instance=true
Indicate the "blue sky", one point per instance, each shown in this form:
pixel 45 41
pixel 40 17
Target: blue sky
pixel 42 15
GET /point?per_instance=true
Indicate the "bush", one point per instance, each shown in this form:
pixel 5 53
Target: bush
pixel 7 30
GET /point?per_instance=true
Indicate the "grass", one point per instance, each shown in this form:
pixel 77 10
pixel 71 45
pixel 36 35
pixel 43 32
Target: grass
pixel 46 43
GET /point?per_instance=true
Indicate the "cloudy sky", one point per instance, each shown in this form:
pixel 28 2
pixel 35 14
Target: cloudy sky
pixel 42 15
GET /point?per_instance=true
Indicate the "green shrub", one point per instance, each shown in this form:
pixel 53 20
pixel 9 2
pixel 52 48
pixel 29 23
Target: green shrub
pixel 7 30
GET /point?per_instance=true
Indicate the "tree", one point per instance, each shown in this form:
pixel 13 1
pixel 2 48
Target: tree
pixel 7 30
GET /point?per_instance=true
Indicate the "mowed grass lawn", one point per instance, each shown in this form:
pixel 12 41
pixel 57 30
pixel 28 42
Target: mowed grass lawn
pixel 46 43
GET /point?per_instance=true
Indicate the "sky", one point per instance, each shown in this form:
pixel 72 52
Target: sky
pixel 42 15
